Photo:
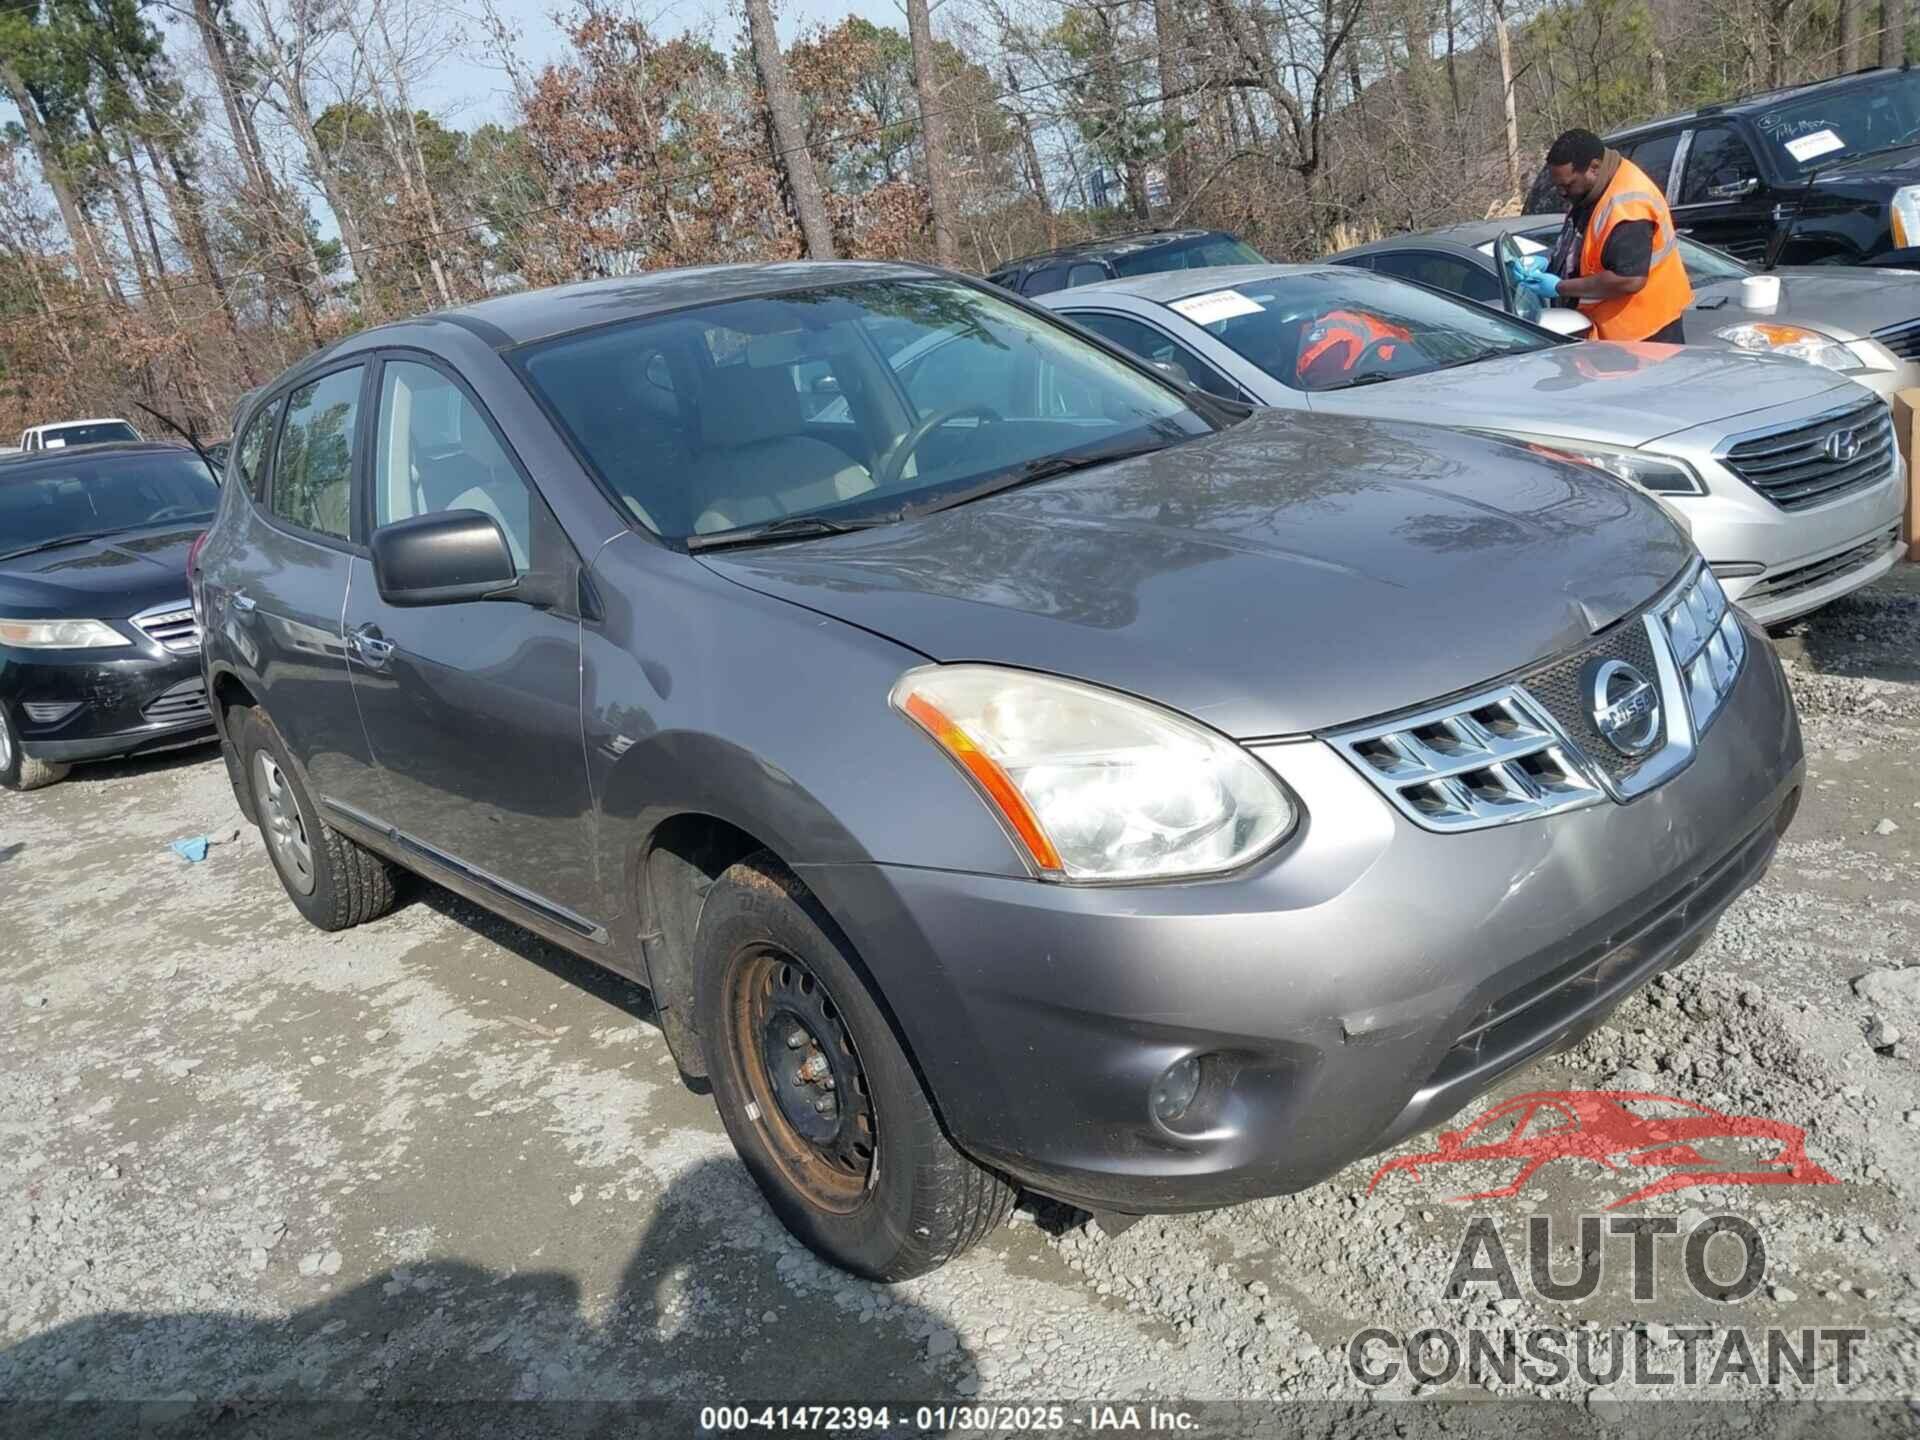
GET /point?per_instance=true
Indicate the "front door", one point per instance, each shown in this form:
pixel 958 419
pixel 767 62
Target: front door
pixel 1723 199
pixel 472 710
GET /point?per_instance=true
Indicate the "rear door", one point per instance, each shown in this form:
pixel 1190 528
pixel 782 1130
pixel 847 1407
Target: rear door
pixel 472 710
pixel 1722 199
pixel 280 596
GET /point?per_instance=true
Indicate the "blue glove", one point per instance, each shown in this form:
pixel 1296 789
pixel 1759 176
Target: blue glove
pixel 1532 275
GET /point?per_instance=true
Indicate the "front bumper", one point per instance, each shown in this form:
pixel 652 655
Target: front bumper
pixel 1780 564
pixel 1360 985
pixel 94 705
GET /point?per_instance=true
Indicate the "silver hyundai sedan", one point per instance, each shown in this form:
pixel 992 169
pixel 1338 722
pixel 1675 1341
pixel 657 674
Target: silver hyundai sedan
pixel 1787 474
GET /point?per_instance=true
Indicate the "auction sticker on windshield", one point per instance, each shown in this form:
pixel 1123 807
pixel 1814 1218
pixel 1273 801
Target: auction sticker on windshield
pixel 1810 147
pixel 1215 306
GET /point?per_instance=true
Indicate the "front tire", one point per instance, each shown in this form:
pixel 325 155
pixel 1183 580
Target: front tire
pixel 18 770
pixel 331 880
pixel 817 1094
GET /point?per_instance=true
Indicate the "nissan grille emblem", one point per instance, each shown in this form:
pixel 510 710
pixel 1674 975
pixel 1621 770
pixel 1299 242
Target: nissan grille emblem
pixel 1842 446
pixel 1625 706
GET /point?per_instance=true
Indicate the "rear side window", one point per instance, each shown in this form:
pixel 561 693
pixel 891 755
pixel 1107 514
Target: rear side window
pixel 1655 156
pixel 1045 282
pixel 313 468
pixel 250 455
pixel 1086 274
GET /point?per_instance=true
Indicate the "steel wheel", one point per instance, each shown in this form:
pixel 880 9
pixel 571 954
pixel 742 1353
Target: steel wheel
pixel 809 1092
pixel 280 818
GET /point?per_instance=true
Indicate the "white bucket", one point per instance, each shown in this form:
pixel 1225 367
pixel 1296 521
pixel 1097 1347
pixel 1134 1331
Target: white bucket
pixel 1760 292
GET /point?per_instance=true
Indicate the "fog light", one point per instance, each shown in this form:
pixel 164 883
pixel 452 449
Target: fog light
pixel 42 713
pixel 1172 1094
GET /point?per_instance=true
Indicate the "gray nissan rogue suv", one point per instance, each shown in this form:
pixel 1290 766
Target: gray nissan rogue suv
pixel 1003 766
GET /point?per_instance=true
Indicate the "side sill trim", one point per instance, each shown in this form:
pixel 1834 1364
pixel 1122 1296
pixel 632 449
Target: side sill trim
pixel 539 904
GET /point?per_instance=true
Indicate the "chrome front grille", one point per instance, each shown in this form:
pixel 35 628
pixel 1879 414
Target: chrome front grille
pixel 185 701
pixel 1532 746
pixel 1814 573
pixel 1813 461
pixel 1486 760
pixel 172 626
pixel 1902 339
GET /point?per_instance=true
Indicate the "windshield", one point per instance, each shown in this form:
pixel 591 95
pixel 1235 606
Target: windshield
pixel 103 432
pixel 48 502
pixel 1812 134
pixel 1327 329
pixel 851 402
pixel 1199 254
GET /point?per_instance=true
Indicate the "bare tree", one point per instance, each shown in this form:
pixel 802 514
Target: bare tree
pixel 1508 109
pixel 1893 31
pixel 933 133
pixel 789 134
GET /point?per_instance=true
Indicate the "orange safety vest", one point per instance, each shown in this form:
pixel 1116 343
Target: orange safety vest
pixel 1630 195
pixel 1354 330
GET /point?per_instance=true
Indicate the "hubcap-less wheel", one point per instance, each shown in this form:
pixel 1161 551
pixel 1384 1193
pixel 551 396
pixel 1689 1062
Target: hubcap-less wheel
pixel 280 818
pixel 808 1088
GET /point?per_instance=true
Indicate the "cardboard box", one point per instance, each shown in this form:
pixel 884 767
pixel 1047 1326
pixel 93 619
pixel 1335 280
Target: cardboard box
pixel 1906 427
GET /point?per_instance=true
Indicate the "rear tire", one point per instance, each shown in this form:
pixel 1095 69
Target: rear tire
pixel 331 880
pixel 818 1095
pixel 18 770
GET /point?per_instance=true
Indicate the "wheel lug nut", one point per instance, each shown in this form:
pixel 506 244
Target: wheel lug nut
pixel 796 1037
pixel 823 1105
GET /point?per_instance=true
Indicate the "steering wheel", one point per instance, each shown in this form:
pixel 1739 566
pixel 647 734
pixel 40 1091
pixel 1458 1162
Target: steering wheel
pixel 894 463
pixel 1374 351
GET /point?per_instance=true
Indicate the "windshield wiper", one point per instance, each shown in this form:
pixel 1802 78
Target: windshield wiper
pixel 1372 377
pixel 57 542
pixel 1045 468
pixel 787 527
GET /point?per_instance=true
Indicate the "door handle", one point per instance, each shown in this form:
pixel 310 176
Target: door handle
pixel 370 645
pixel 241 601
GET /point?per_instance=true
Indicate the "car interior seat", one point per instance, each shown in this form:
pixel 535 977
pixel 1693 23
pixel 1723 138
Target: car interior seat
pixel 756 464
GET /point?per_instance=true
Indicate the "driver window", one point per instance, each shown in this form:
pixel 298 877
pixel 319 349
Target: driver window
pixel 436 452
pixel 1719 158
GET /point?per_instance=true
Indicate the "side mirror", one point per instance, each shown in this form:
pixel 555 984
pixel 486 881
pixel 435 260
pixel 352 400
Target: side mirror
pixel 444 558
pixel 1733 189
pixel 1570 323
pixel 1175 372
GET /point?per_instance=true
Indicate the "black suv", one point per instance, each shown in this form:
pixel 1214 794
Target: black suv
pixel 1095 260
pixel 1836 165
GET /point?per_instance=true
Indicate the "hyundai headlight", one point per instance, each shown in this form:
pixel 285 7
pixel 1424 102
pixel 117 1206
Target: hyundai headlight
pixel 1795 340
pixel 1094 785
pixel 1903 216
pixel 1658 473
pixel 60 635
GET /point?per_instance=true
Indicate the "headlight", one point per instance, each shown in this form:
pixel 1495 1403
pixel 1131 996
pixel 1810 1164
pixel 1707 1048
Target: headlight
pixel 1708 646
pixel 1794 340
pixel 1650 472
pixel 1094 785
pixel 59 635
pixel 1903 215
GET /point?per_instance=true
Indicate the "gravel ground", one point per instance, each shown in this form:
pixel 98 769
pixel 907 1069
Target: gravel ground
pixel 243 1162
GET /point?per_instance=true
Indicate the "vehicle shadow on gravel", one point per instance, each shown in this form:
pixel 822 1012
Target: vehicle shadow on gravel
pixel 134 767
pixel 716 1305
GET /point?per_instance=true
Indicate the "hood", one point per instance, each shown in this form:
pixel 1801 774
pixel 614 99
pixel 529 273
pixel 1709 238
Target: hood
pixel 1289 574
pixel 1844 301
pixel 107 579
pixel 1593 390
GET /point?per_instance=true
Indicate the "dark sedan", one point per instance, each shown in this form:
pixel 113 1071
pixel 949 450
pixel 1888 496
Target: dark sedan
pixel 99 650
